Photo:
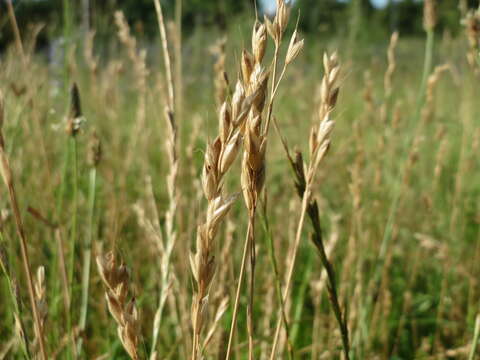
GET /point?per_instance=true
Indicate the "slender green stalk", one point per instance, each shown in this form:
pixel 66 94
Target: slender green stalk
pixel 476 337
pixel 278 286
pixel 245 255
pixel 300 301
pixel 87 252
pixel 73 233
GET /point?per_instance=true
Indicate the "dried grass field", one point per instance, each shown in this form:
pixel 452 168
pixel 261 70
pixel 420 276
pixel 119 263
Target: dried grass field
pixel 254 194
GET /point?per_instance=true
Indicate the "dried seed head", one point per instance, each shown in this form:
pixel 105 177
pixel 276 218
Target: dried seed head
pixel 116 281
pixel 75 118
pixel 246 181
pixel 325 130
pixel 217 211
pixel 253 144
pixel 128 334
pixel 272 29
pixel 209 182
pixel 237 100
pixel 224 122
pixel 210 176
pixel 472 26
pixel 40 295
pixel 429 15
pixel 247 66
pixel 283 13
pixel 94 150
pixel 259 41
pixel 294 48
pixel 40 283
pixel 259 84
pixel 230 152
pixel 254 121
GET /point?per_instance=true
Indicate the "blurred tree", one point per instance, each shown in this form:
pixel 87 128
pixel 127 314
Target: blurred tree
pixel 355 18
pixel 320 15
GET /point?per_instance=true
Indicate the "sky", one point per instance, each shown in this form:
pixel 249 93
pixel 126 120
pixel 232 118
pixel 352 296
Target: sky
pixel 269 5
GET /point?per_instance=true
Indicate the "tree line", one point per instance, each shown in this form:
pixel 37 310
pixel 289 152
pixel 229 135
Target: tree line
pixel 330 16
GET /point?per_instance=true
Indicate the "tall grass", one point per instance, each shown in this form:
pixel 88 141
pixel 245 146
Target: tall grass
pixel 353 241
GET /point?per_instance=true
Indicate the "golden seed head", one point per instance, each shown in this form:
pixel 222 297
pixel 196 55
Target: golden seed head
pixel 209 183
pixel 272 29
pixel 247 66
pixel 217 211
pixel 224 122
pixel 259 41
pixel 259 84
pixel 283 13
pixel 237 100
pixel 294 47
pixel 230 152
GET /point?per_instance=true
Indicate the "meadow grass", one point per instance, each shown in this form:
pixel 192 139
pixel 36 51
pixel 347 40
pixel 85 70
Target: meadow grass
pixel 353 241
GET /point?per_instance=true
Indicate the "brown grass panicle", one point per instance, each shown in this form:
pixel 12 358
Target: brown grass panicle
pixel 429 14
pixel 472 30
pixel 116 279
pixel 304 178
pixel 255 80
pixel 219 156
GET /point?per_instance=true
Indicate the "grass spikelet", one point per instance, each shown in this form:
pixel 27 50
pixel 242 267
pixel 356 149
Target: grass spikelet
pixel 122 307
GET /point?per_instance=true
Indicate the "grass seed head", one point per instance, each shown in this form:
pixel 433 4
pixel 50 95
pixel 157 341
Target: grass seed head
pixel 294 47
pixel 75 117
pixel 259 41
pixel 429 15
pixel 94 150
pixel 247 66
pixel 225 121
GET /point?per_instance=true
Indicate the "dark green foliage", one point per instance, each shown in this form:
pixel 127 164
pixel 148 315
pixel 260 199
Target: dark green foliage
pixel 316 17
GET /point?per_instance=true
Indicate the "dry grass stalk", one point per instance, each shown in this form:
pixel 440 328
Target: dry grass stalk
pixel 172 152
pixel 305 174
pixel 429 106
pixel 391 65
pixel 16 31
pixel 140 72
pixel 116 279
pixel 7 176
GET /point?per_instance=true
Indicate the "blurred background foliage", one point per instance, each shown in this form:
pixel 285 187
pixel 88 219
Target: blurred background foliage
pixel 324 17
